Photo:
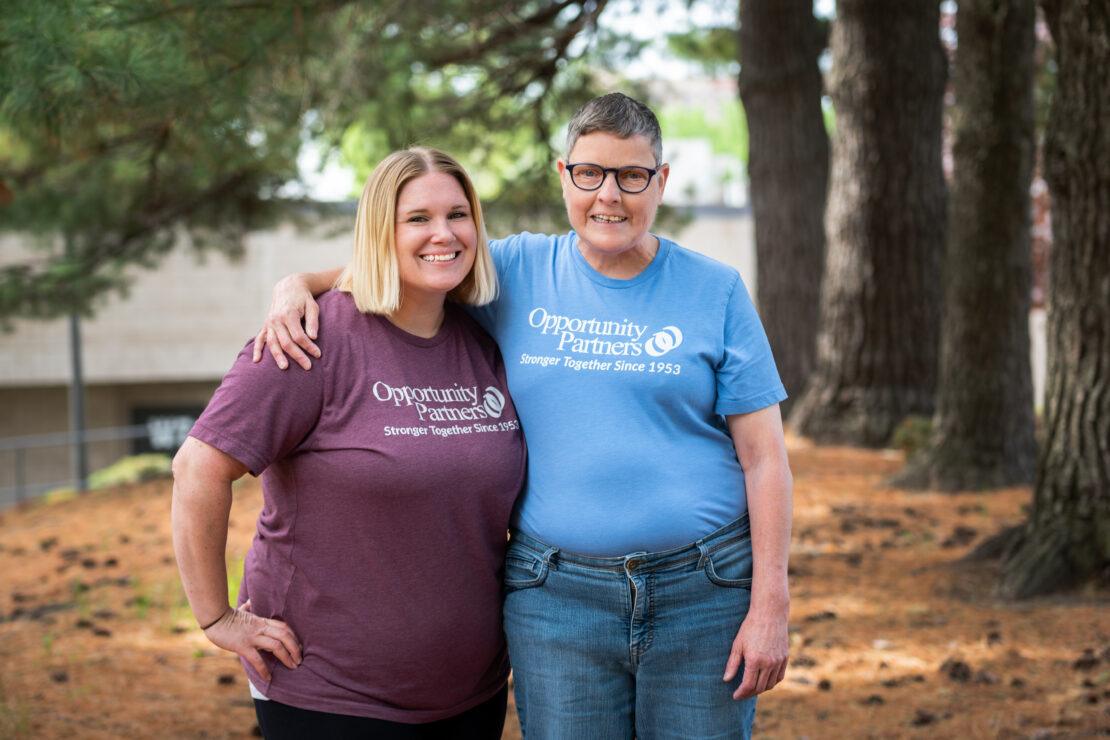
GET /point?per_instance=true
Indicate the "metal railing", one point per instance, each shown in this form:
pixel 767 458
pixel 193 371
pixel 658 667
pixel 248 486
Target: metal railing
pixel 17 449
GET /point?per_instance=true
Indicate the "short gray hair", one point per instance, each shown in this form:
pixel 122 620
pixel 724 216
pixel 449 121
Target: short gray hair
pixel 619 115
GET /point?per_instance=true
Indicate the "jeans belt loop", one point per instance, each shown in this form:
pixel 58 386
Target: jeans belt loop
pixel 704 550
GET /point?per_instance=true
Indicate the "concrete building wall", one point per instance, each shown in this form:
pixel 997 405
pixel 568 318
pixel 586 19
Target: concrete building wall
pixel 182 321
pixel 44 410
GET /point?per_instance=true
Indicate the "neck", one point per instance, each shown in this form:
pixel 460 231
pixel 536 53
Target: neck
pixel 421 316
pixel 624 265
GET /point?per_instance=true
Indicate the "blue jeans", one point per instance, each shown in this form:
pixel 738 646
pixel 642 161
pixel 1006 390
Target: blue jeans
pixel 611 647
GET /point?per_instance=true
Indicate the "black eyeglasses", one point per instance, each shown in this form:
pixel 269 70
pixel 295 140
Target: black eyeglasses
pixel 632 179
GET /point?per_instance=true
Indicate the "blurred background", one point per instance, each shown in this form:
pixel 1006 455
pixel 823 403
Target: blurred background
pixel 914 193
pixel 164 167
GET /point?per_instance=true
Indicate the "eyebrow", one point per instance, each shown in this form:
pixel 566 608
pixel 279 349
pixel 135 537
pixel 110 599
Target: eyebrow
pixel 455 207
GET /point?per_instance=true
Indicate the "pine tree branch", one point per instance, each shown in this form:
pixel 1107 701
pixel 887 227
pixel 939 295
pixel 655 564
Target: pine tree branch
pixel 509 32
pixel 208 7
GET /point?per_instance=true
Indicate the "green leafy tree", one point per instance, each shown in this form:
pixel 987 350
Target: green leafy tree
pixel 120 125
pixel 124 125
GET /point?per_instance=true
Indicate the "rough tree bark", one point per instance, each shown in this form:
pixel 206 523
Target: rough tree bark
pixel 880 297
pixel 983 432
pixel 1067 537
pixel 780 87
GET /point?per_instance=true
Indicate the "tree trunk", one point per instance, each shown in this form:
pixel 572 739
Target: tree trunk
pixel 1067 539
pixel 788 163
pixel 983 434
pixel 880 298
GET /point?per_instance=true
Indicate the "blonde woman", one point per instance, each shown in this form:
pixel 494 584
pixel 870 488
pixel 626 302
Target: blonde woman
pixel 388 473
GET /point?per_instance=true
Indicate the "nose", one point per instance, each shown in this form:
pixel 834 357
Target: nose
pixel 441 231
pixel 609 191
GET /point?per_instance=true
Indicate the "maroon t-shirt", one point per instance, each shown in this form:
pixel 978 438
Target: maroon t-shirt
pixel 389 472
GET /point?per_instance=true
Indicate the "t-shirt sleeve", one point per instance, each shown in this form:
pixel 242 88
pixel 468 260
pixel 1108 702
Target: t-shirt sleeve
pixel 747 379
pixel 260 413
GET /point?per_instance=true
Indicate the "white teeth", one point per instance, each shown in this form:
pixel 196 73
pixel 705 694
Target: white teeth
pixel 439 257
pixel 609 219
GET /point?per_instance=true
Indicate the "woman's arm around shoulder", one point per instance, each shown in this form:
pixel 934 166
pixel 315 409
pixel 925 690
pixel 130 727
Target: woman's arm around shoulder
pixel 293 300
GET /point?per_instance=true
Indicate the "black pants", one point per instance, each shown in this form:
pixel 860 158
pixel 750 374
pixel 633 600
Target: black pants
pixel 283 722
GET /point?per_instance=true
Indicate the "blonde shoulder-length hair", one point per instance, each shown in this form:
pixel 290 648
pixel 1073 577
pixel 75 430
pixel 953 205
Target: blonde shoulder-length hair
pixel 372 276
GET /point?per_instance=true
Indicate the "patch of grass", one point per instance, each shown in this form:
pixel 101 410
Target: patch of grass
pixel 15 720
pixel 58 495
pixel 133 469
pixel 48 643
pixel 912 435
pixel 79 590
pixel 234 578
pixel 141 604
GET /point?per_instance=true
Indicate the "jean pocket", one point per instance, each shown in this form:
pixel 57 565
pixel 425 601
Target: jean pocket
pixel 523 569
pixel 730 565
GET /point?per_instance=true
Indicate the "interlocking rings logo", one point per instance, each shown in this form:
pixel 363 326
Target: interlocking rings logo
pixel 663 341
pixel 493 401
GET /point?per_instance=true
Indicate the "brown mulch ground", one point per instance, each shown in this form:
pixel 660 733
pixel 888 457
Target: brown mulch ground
pixel 890 639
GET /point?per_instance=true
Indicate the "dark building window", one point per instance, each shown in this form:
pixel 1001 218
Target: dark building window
pixel 166 426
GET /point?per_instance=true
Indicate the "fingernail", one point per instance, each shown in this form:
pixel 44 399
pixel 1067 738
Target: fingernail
pixel 316 353
pixel 283 364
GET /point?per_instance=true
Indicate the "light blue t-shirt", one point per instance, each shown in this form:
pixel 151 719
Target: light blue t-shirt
pixel 622 386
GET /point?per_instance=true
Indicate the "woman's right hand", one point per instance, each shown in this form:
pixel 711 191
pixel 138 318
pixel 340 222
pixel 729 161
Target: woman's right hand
pixel 245 634
pixel 282 333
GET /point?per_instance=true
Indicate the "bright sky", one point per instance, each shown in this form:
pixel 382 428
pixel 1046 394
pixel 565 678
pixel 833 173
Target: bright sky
pixel 653 20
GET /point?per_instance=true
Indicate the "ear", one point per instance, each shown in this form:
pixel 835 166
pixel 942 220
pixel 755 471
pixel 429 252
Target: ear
pixel 561 168
pixel 662 175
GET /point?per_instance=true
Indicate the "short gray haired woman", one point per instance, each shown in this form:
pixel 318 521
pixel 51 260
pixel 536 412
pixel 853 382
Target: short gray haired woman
pixel 646 587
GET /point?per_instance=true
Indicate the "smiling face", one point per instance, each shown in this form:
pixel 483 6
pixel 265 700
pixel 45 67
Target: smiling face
pixel 436 238
pixel 610 222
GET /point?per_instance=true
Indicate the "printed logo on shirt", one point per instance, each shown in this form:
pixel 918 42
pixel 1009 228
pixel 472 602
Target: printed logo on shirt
pixel 493 402
pixel 456 403
pixel 663 341
pixel 603 337
pixel 572 337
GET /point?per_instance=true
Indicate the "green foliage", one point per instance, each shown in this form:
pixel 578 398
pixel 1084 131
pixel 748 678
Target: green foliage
pixel 716 49
pixel 141 604
pixel 912 435
pixel 828 113
pixel 125 124
pixel 15 720
pixel 727 132
pixel 234 579
pixel 497 111
pixel 133 469
pixel 58 495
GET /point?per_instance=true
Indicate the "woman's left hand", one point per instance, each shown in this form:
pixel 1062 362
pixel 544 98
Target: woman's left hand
pixel 763 646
